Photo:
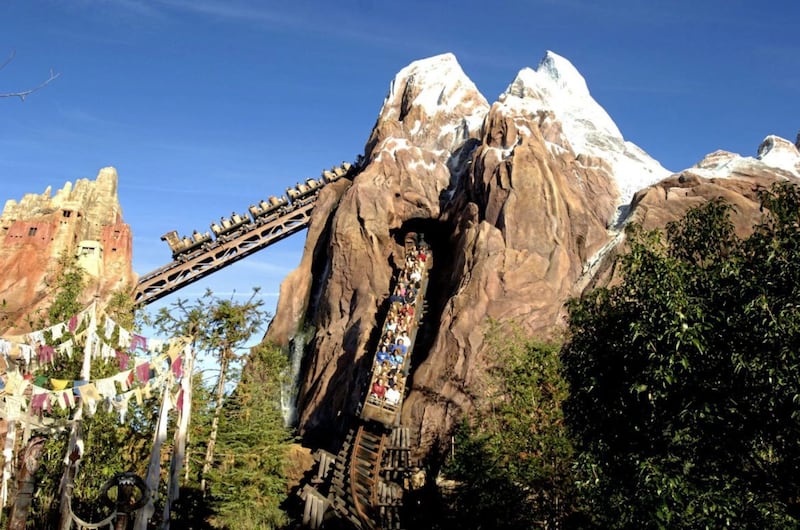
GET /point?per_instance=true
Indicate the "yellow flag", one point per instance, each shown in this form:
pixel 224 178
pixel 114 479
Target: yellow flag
pixel 59 384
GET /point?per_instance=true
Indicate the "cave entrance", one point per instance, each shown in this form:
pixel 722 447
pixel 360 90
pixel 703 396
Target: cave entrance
pixel 437 235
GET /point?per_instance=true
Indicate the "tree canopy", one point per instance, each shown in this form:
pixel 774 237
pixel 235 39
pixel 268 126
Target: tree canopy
pixel 512 461
pixel 685 376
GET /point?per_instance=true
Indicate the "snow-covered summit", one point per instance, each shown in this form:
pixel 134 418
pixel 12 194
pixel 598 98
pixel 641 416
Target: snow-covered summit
pixel 780 153
pixel 563 73
pixel 774 153
pixel 435 84
pixel 558 83
pixel 557 86
pixel 433 104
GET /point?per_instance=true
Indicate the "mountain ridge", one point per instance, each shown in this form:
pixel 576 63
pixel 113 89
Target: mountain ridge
pixel 524 199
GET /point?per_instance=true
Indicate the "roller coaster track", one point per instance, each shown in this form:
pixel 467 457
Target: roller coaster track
pixel 365 466
pixel 373 468
pixel 365 483
pixel 222 252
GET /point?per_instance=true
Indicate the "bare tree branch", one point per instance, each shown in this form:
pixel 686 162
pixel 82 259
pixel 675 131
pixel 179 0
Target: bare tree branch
pixel 10 58
pixel 25 93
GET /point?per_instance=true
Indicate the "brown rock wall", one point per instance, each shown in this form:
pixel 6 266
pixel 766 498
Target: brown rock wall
pixel 39 229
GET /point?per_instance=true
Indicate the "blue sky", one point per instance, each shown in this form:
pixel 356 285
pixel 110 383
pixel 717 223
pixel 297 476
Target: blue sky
pixel 206 106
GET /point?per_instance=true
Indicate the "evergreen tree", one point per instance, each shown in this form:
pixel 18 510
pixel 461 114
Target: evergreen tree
pixel 248 479
pixel 236 476
pixel 220 329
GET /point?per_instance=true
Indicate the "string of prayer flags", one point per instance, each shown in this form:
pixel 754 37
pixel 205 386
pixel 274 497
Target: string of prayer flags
pixel 137 377
pixel 42 346
pixel 26 396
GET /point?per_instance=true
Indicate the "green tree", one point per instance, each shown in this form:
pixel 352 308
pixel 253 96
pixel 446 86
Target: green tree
pixel 685 376
pixel 109 446
pixel 239 441
pixel 220 329
pixel 248 479
pixel 513 460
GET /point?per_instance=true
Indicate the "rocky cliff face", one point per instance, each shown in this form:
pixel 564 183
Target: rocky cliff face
pixel 84 220
pixel 522 202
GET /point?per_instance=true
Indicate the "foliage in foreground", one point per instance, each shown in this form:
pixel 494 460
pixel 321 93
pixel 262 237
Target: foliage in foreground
pixel 239 442
pixel 513 462
pixel 685 377
pixel 109 446
pixel 248 479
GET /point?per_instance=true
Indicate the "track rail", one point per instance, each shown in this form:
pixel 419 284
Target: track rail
pixel 365 468
pixel 221 253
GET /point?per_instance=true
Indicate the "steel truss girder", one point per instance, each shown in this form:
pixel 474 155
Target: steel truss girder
pixel 221 253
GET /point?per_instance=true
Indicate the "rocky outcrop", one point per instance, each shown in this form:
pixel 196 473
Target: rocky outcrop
pixel 724 175
pixel 513 199
pixel 84 220
pixel 522 203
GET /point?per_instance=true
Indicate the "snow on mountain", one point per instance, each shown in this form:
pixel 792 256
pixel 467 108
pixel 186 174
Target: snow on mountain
pixel 436 87
pixel 557 86
pixel 774 153
pixel 780 153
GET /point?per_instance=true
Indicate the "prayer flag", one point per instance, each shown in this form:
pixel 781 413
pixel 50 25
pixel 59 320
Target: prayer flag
pixel 143 372
pixel 59 384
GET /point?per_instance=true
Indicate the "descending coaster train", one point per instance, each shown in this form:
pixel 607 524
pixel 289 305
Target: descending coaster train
pixel 227 228
pixel 364 484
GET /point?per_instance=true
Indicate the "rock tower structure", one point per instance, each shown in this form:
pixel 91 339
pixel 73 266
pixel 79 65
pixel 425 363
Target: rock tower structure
pixel 82 220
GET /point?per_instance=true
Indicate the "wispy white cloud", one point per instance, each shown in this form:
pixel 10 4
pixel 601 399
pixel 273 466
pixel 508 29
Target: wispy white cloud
pixel 257 13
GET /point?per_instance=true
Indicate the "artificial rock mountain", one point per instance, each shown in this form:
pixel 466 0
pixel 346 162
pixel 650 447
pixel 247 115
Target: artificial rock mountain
pixel 84 220
pixel 522 201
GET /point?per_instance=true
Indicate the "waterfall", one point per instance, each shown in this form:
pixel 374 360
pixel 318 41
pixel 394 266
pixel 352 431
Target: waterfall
pixel 297 347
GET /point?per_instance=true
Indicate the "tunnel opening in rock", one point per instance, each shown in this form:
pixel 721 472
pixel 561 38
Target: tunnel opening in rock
pixel 437 235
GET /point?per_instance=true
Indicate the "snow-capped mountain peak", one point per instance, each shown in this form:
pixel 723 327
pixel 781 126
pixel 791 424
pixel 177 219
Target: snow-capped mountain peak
pixel 557 86
pixel 563 73
pixel 780 153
